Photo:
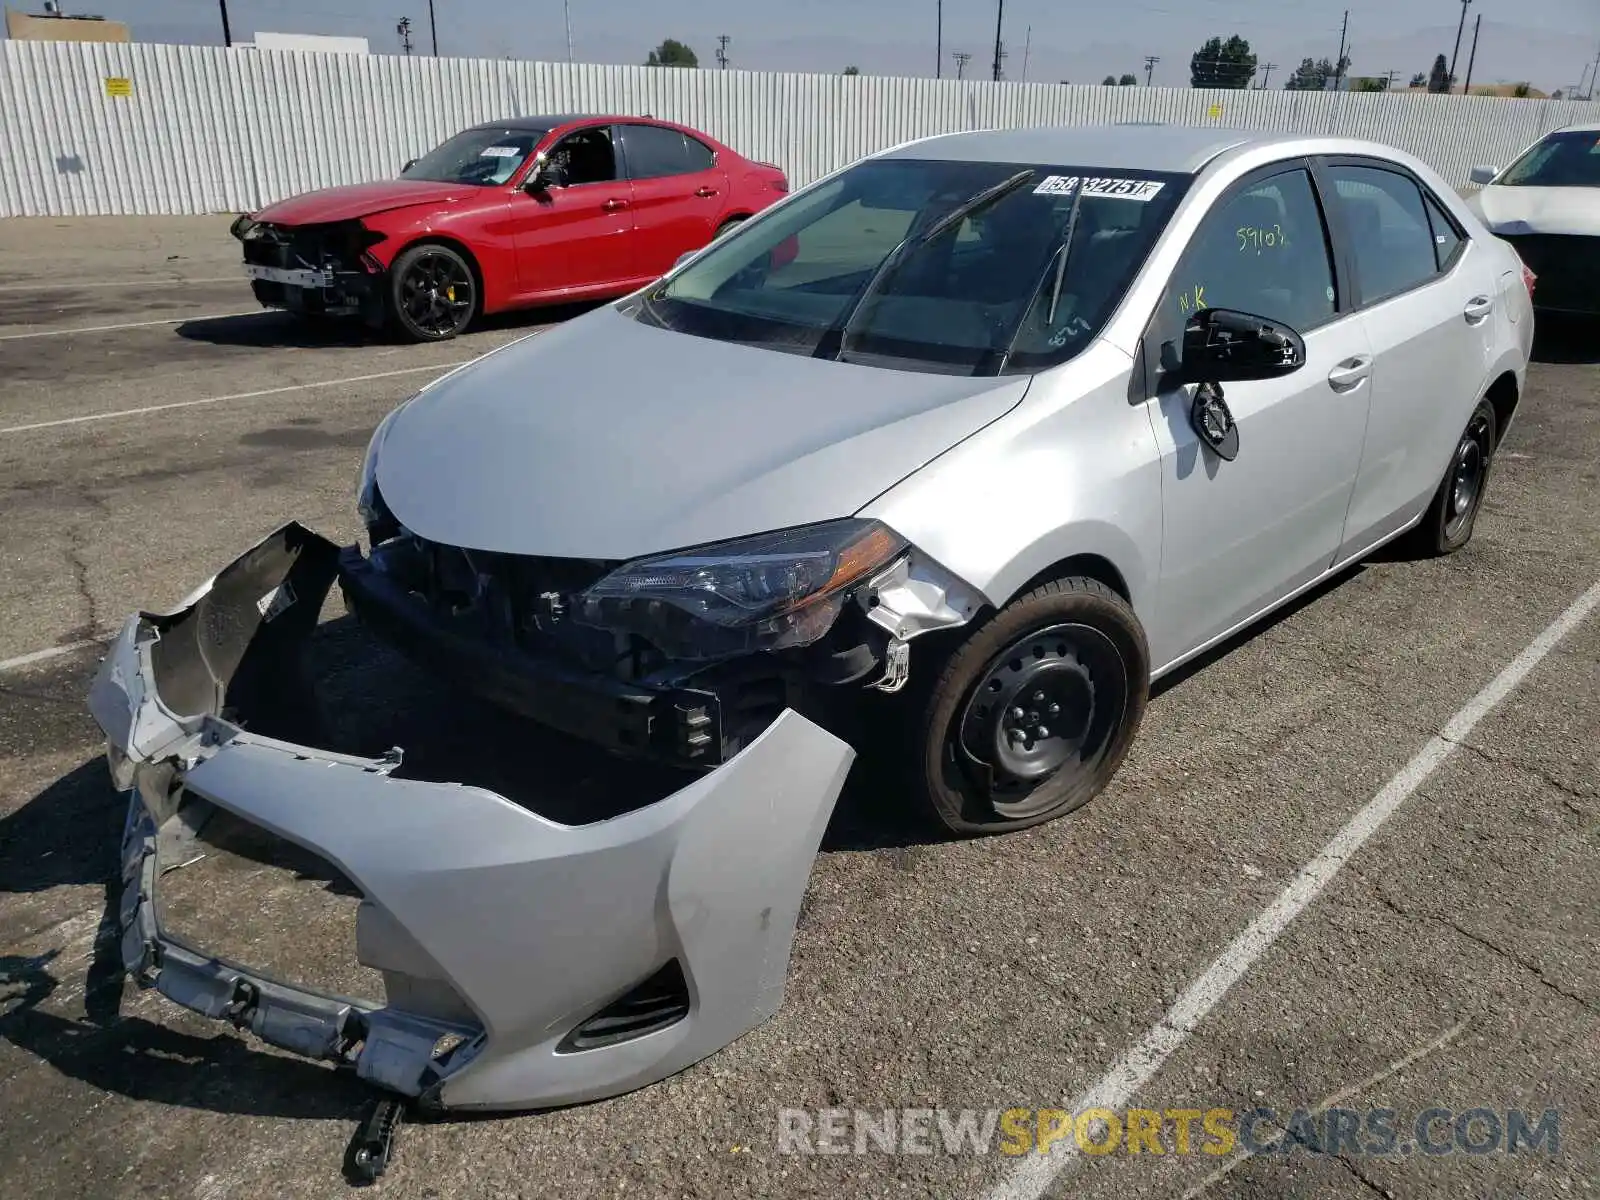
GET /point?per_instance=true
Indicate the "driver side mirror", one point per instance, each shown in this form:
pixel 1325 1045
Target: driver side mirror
pixel 1483 176
pixel 1221 345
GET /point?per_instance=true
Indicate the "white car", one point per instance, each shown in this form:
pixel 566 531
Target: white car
pixel 1547 205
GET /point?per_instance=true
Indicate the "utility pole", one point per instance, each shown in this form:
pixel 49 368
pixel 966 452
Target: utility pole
pixel 1150 61
pixel 403 28
pixel 962 57
pixel 1266 73
pixel 1027 45
pixel 722 51
pixel 999 24
pixel 433 30
pixel 1466 88
pixel 1456 53
pixel 1338 63
pixel 1388 80
pixel 938 42
pixel 227 34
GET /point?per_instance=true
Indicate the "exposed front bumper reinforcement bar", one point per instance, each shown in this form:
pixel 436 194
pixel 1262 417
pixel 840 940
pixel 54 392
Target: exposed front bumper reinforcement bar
pixel 526 963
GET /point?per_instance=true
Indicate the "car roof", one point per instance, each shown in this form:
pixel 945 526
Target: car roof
pixel 1136 146
pixel 555 121
pixel 1587 127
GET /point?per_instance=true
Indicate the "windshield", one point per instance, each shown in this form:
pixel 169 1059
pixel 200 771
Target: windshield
pixel 869 268
pixel 1561 160
pixel 485 157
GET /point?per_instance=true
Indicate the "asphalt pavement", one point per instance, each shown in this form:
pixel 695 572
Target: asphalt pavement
pixel 153 423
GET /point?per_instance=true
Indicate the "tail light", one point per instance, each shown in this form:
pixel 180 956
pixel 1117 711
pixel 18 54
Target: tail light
pixel 780 184
pixel 1528 279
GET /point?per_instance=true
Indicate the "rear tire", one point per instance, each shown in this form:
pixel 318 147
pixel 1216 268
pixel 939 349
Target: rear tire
pixel 433 293
pixel 1032 715
pixel 728 226
pixel 1447 525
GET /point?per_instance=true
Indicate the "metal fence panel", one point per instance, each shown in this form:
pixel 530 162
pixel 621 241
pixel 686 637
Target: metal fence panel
pixel 206 129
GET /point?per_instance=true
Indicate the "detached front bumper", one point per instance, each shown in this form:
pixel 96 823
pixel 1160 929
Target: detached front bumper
pixel 526 963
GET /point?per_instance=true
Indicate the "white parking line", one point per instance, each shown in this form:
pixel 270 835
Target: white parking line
pixel 45 285
pixel 39 333
pixel 49 652
pixel 276 391
pixel 1032 1176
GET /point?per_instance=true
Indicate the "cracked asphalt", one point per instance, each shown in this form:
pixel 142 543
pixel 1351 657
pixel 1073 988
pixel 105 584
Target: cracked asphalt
pixel 1452 965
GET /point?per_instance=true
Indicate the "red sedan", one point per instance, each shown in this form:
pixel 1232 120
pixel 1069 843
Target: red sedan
pixel 510 214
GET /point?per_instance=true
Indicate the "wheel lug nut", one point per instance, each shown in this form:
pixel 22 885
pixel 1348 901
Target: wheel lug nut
pixel 1041 732
pixel 1055 709
pixel 1017 714
pixel 1038 697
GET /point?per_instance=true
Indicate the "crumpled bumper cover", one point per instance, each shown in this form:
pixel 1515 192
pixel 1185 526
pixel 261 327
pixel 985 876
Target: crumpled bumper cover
pixel 513 948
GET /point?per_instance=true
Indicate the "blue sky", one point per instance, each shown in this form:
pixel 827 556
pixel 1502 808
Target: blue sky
pixel 1549 42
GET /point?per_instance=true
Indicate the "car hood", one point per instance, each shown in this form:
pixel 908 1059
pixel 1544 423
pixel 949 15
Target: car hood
pixel 1509 211
pixel 361 199
pixel 608 439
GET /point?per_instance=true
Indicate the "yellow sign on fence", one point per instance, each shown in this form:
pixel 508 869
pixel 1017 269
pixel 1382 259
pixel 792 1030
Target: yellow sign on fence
pixel 118 87
pixel 1214 112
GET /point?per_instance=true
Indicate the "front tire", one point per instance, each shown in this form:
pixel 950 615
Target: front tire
pixel 433 293
pixel 1447 525
pixel 1031 717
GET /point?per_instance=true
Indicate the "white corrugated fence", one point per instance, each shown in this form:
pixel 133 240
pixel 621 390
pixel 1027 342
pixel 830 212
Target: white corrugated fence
pixel 149 129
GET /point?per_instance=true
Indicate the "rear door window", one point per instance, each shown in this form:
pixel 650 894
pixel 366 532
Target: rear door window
pixel 653 152
pixel 1447 239
pixel 1387 225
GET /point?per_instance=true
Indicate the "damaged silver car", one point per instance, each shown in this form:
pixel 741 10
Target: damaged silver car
pixel 932 460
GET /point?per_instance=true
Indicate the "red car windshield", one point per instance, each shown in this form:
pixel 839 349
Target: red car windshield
pixel 484 157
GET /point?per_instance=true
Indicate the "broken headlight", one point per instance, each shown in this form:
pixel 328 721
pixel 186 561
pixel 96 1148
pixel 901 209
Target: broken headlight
pixel 768 592
pixel 368 503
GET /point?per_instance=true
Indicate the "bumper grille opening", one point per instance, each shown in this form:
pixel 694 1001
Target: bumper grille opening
pixel 239 893
pixel 660 1001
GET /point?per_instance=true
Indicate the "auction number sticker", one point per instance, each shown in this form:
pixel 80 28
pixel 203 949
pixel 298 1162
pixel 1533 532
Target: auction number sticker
pixel 499 152
pixel 1142 190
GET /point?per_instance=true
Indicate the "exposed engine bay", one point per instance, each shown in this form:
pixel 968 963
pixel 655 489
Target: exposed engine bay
pixel 316 270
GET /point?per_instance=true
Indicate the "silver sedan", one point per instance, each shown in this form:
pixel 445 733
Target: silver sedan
pixel 943 459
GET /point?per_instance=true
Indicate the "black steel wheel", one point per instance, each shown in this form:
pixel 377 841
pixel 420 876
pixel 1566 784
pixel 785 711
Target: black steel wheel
pixel 1032 716
pixel 1447 525
pixel 433 294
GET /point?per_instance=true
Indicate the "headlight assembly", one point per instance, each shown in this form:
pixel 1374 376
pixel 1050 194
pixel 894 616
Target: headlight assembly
pixel 768 592
pixel 368 503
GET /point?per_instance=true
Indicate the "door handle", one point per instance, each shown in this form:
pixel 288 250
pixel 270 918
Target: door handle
pixel 705 191
pixel 1478 308
pixel 1351 373
pixel 614 205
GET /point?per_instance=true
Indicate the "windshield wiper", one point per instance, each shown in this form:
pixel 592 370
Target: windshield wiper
pixel 832 343
pixel 998 363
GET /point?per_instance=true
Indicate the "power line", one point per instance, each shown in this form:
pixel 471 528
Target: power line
pixel 1150 61
pixel 962 58
pixel 722 51
pixel 403 28
pixel 938 42
pixel 1266 73
pixel 1027 45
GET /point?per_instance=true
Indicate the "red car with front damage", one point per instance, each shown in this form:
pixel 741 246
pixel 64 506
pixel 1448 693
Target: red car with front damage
pixel 505 215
